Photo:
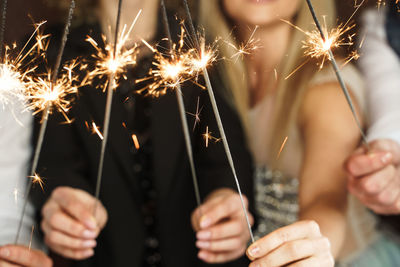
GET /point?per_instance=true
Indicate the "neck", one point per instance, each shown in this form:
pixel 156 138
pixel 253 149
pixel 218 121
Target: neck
pixel 263 63
pixel 145 27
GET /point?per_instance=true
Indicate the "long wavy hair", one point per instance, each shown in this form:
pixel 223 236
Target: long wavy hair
pixel 290 91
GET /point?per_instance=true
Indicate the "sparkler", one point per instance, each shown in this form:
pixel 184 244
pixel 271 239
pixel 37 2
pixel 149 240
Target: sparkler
pixel 327 49
pixel 3 26
pixel 218 117
pixel 112 64
pixel 14 70
pixel 181 106
pixel 45 89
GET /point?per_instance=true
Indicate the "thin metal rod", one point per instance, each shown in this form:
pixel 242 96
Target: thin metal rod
pixel 45 119
pixel 3 27
pixel 339 76
pixel 63 42
pixel 219 122
pixel 36 156
pixel 182 111
pixel 107 114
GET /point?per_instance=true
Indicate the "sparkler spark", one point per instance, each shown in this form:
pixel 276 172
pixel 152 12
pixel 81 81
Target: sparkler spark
pixel 246 48
pixel 282 147
pixel 135 141
pixel 95 130
pixel 177 65
pixel 208 137
pixel 44 93
pixel 15 70
pixel 316 47
pixel 197 114
pixel 36 179
pixel 113 60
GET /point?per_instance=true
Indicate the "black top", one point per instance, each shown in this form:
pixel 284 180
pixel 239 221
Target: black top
pixel 70 157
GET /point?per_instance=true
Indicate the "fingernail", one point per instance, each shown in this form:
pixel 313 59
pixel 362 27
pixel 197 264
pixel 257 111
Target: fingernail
pixel 88 253
pixel 5 252
pixel 202 255
pixel 205 222
pixel 91 223
pixel 253 251
pixel 89 243
pixel 203 244
pixel 89 234
pixel 386 158
pixel 204 235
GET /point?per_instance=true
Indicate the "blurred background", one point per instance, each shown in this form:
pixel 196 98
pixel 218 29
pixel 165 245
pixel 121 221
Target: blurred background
pixel 23 13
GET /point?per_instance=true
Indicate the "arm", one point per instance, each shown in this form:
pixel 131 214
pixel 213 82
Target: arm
pixel 330 135
pixel 374 176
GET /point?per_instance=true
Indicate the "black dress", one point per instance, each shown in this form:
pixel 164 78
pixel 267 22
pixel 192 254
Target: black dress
pixel 148 193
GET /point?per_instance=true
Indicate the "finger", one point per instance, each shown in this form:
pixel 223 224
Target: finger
pixel 213 258
pixel 76 203
pixel 325 260
pixel 7 264
pixel 101 215
pixel 58 238
pixel 73 254
pixel 224 245
pixel 205 207
pixel 374 183
pixel 226 208
pixel 390 209
pixel 364 164
pixel 24 256
pixel 61 221
pixel 295 251
pixel 298 230
pixel 221 231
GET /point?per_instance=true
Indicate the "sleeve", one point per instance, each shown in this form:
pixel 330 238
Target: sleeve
pixel 213 166
pixel 381 68
pixel 15 132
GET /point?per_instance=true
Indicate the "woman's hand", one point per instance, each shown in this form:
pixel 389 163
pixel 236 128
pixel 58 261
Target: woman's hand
pixel 296 245
pixel 222 232
pixel 68 223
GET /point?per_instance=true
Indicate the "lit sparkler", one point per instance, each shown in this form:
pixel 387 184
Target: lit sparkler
pixel 112 64
pixel 218 118
pixel 114 58
pixel 45 94
pixel 36 179
pixel 327 48
pixel 181 104
pixel 45 86
pixel 16 70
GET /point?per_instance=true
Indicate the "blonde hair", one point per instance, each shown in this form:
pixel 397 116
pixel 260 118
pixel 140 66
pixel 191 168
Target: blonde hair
pixel 290 90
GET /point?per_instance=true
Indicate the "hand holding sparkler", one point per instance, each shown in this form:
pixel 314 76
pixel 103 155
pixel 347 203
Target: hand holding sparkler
pixel 221 227
pixel 68 223
pixel 23 256
pixel 374 176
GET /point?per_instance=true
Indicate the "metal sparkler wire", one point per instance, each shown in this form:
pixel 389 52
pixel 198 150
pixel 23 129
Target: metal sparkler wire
pixel 182 111
pixel 338 75
pixel 45 117
pixel 2 27
pixel 107 115
pixel 218 119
